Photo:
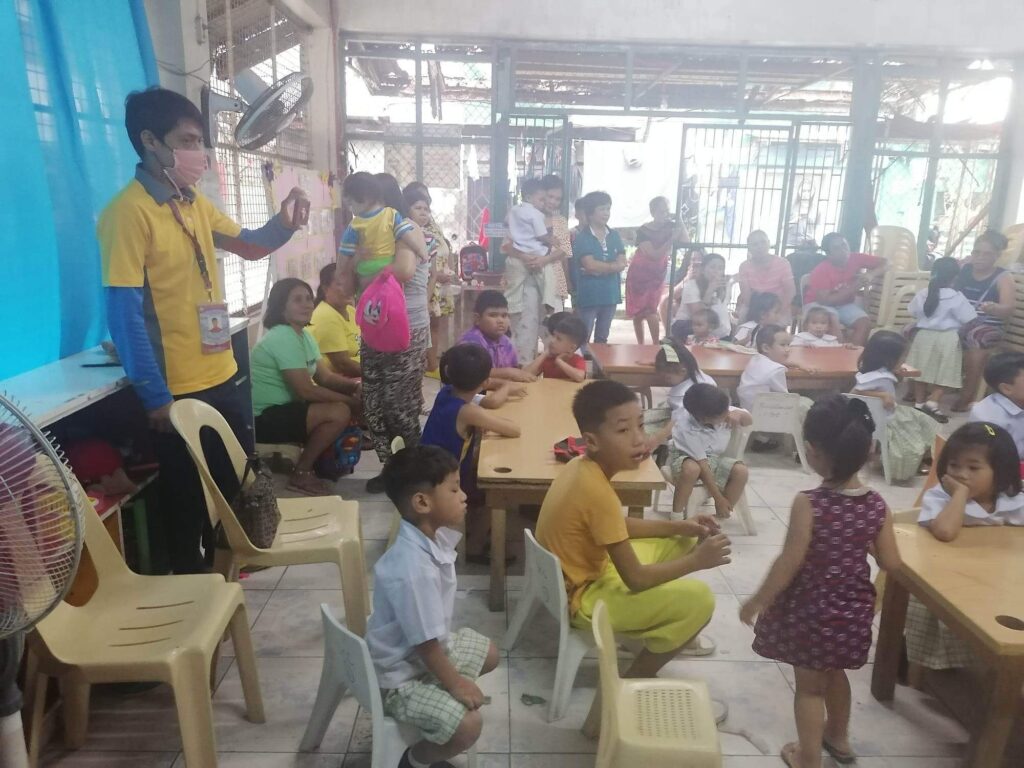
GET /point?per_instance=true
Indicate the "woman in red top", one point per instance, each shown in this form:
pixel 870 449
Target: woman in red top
pixel 835 283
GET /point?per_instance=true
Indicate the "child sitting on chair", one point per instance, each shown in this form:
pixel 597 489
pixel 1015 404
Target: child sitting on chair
pixel 815 333
pixel 636 566
pixel 1004 374
pixel 700 435
pixel 561 359
pixel 764 309
pixel 490 331
pixel 460 413
pixel 426 672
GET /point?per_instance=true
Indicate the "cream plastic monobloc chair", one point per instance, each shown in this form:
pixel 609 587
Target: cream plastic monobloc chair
pixel 140 629
pixel 881 418
pixel 545 586
pixel 348 667
pixel 653 723
pixel 313 529
pixel 780 413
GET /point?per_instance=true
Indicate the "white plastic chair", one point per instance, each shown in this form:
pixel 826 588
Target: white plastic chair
pixel 545 586
pixel 881 418
pixel 348 667
pixel 736 449
pixel 779 413
pixel 652 723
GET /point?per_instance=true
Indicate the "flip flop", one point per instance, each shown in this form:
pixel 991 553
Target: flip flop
pixel 841 757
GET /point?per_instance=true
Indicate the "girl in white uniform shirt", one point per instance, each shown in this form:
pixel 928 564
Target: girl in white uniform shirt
pixel 940 312
pixel 815 332
pixel 680 369
pixel 764 309
pixel 909 433
pixel 979 470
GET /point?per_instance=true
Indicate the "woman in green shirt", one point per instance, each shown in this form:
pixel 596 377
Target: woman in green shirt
pixel 296 397
pixel 599 257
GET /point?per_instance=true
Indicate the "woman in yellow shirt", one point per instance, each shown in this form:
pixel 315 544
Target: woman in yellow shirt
pixel 334 323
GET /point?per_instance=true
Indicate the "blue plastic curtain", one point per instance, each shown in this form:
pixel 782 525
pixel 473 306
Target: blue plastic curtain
pixel 68 66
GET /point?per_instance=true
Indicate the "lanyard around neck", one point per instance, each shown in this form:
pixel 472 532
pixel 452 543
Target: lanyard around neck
pixel 197 249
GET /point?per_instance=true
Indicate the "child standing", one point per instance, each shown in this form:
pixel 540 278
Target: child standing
pixel 815 607
pixel 561 360
pixel 529 272
pixel 700 435
pixel 460 414
pixel 426 672
pixel 1004 374
pixel 980 485
pixel 817 322
pixel 490 331
pixel 939 312
pixel 910 432
pixel 636 566
pixel 764 309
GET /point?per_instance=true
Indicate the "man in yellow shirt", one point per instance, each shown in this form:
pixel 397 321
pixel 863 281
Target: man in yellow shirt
pixel 634 566
pixel 165 306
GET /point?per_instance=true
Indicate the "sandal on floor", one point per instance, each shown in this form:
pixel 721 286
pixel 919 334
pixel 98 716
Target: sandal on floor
pixel 699 646
pixel 307 484
pixel 935 413
pixel 840 756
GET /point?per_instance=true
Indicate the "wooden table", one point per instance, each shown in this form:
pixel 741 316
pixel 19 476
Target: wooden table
pixel 515 471
pixel 973 585
pixel 633 365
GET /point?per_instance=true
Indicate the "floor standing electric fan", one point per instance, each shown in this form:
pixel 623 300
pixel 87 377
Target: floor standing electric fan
pixel 41 507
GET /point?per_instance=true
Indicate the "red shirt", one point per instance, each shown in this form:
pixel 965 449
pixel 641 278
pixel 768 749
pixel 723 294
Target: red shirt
pixel 549 369
pixel 828 277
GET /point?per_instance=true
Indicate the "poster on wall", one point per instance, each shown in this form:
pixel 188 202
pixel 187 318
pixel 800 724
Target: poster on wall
pixel 312 247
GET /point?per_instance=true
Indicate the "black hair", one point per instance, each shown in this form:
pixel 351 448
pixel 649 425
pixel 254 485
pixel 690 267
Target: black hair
pixel 760 304
pixel 841 429
pixel 883 350
pixel 580 204
pixel 570 326
pixel 390 192
pixel 465 366
pixel 704 401
pixel 278 298
pixel 552 181
pixel 828 240
pixel 489 300
pixel 817 311
pixel 361 187
pixel 650 205
pixel 326 278
pixel 413 470
pixel 944 273
pixel 553 319
pixel 765 336
pixel 412 196
pixel 1003 368
pixel 995 238
pixel 680 330
pixel 530 187
pixel 702 281
pixel 1000 452
pixel 592 402
pixel 686 360
pixel 159 111
pixel 707 312
pixel 418 186
pixel 594 200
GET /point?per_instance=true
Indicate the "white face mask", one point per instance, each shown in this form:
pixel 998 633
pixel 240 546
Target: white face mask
pixel 189 167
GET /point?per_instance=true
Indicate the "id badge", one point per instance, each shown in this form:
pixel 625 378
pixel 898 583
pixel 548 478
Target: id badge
pixel 214 331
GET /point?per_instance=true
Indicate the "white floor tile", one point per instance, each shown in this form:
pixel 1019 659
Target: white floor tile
pixel 291 625
pixel 530 730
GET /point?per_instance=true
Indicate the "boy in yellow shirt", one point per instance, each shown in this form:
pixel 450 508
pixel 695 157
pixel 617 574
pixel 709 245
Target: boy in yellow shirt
pixel 635 566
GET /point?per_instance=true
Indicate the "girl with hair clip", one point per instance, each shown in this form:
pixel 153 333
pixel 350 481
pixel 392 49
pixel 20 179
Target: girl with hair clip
pixel 764 309
pixel 979 474
pixel 939 311
pixel 677 365
pixel 815 607
pixel 910 432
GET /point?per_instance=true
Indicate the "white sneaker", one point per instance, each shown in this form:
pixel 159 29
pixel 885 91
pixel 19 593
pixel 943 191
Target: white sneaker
pixel 699 646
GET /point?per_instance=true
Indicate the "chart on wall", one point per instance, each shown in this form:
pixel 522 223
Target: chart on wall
pixel 312 246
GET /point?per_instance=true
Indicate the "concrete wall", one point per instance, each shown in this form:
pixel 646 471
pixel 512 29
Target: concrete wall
pixel 989 26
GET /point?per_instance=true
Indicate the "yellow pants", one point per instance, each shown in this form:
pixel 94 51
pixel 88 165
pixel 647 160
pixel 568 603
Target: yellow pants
pixel 664 617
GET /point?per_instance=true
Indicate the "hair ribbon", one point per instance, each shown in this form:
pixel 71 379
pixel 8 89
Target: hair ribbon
pixel 671 355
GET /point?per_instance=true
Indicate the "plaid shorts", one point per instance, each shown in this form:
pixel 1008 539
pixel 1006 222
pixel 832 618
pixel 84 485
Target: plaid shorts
pixel 425 704
pixel 721 466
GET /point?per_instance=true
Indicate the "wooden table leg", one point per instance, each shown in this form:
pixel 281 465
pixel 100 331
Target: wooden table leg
pixel 999 715
pixel 637 512
pixel 497 599
pixel 890 639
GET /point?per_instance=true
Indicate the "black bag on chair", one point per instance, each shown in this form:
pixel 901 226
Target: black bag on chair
pixel 255 504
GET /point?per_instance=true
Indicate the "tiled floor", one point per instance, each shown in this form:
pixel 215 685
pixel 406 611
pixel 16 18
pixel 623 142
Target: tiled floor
pixel 140 731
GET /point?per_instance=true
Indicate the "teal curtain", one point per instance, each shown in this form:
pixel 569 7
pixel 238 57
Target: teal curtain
pixel 69 66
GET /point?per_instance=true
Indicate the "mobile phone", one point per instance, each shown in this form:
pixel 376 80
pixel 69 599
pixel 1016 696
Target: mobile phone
pixel 300 212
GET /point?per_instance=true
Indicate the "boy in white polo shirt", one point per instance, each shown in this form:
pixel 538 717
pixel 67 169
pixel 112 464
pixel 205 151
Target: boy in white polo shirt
pixel 426 672
pixel 1004 374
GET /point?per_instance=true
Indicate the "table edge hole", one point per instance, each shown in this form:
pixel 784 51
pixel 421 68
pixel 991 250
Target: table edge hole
pixel 1010 622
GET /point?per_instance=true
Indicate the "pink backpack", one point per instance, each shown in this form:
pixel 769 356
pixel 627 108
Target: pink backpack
pixel 381 314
